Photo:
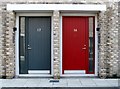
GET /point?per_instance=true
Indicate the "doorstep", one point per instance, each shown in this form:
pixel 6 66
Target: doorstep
pixel 63 82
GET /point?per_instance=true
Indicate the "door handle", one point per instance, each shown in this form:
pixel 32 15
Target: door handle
pixel 83 48
pixel 29 48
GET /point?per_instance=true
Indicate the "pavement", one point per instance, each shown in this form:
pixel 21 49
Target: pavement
pixel 63 82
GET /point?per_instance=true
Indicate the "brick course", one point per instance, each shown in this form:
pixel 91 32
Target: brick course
pixel 119 37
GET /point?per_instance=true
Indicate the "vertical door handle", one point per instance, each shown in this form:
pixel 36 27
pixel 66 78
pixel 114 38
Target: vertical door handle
pixel 29 48
pixel 83 48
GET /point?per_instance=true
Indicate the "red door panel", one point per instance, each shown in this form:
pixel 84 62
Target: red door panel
pixel 75 43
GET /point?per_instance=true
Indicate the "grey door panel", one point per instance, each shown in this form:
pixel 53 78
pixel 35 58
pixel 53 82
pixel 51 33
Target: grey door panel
pixel 39 43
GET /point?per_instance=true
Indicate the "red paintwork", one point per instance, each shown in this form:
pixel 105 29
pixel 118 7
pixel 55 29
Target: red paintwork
pixel 74 57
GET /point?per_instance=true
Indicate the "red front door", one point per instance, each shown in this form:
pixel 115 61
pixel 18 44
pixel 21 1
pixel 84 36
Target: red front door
pixel 75 43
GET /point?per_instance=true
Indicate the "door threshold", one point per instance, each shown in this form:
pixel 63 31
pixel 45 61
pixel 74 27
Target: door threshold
pixel 35 75
pixel 39 72
pixel 74 71
pixel 78 75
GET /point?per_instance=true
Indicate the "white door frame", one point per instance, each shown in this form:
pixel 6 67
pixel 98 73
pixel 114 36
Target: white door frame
pixel 17 45
pixel 96 44
pixel 50 14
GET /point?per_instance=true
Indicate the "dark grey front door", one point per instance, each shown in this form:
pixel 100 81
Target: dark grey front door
pixel 38 43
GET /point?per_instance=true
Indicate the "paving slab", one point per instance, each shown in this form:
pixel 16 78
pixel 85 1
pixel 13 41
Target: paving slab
pixel 63 82
pixel 87 82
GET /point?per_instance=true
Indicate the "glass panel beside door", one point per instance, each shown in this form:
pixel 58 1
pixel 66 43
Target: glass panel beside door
pixel 22 62
pixel 91 45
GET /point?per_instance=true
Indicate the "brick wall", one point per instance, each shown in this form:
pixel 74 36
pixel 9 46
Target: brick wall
pixel 119 35
pixel 0 40
pixel 108 46
pixel 108 60
pixel 6 43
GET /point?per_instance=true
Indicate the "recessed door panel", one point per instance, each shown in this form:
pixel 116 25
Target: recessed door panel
pixel 75 43
pixel 38 45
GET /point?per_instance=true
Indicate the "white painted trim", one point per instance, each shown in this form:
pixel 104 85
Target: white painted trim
pixel 17 42
pixel 61 41
pixel 77 14
pixel 96 47
pixel 96 44
pixel 34 14
pixel 35 75
pixel 38 71
pixel 74 71
pixel 78 75
pixel 17 47
pixel 44 7
pixel 52 45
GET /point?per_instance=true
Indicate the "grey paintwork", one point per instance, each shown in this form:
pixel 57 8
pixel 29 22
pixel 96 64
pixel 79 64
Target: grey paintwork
pixel 39 43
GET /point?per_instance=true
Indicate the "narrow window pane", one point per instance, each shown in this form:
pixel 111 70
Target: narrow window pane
pixel 22 45
pixel 91 42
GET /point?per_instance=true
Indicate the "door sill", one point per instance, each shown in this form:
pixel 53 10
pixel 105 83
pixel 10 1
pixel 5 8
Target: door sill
pixel 78 75
pixel 74 71
pixel 35 75
pixel 39 72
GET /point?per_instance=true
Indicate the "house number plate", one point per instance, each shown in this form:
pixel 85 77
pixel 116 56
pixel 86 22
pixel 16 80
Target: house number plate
pixel 39 29
pixel 75 30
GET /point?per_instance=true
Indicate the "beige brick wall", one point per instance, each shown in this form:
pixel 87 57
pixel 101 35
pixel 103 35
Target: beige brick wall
pixel 7 66
pixel 108 46
pixel 108 56
pixel 9 51
pixel 0 40
pixel 56 43
pixel 119 36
